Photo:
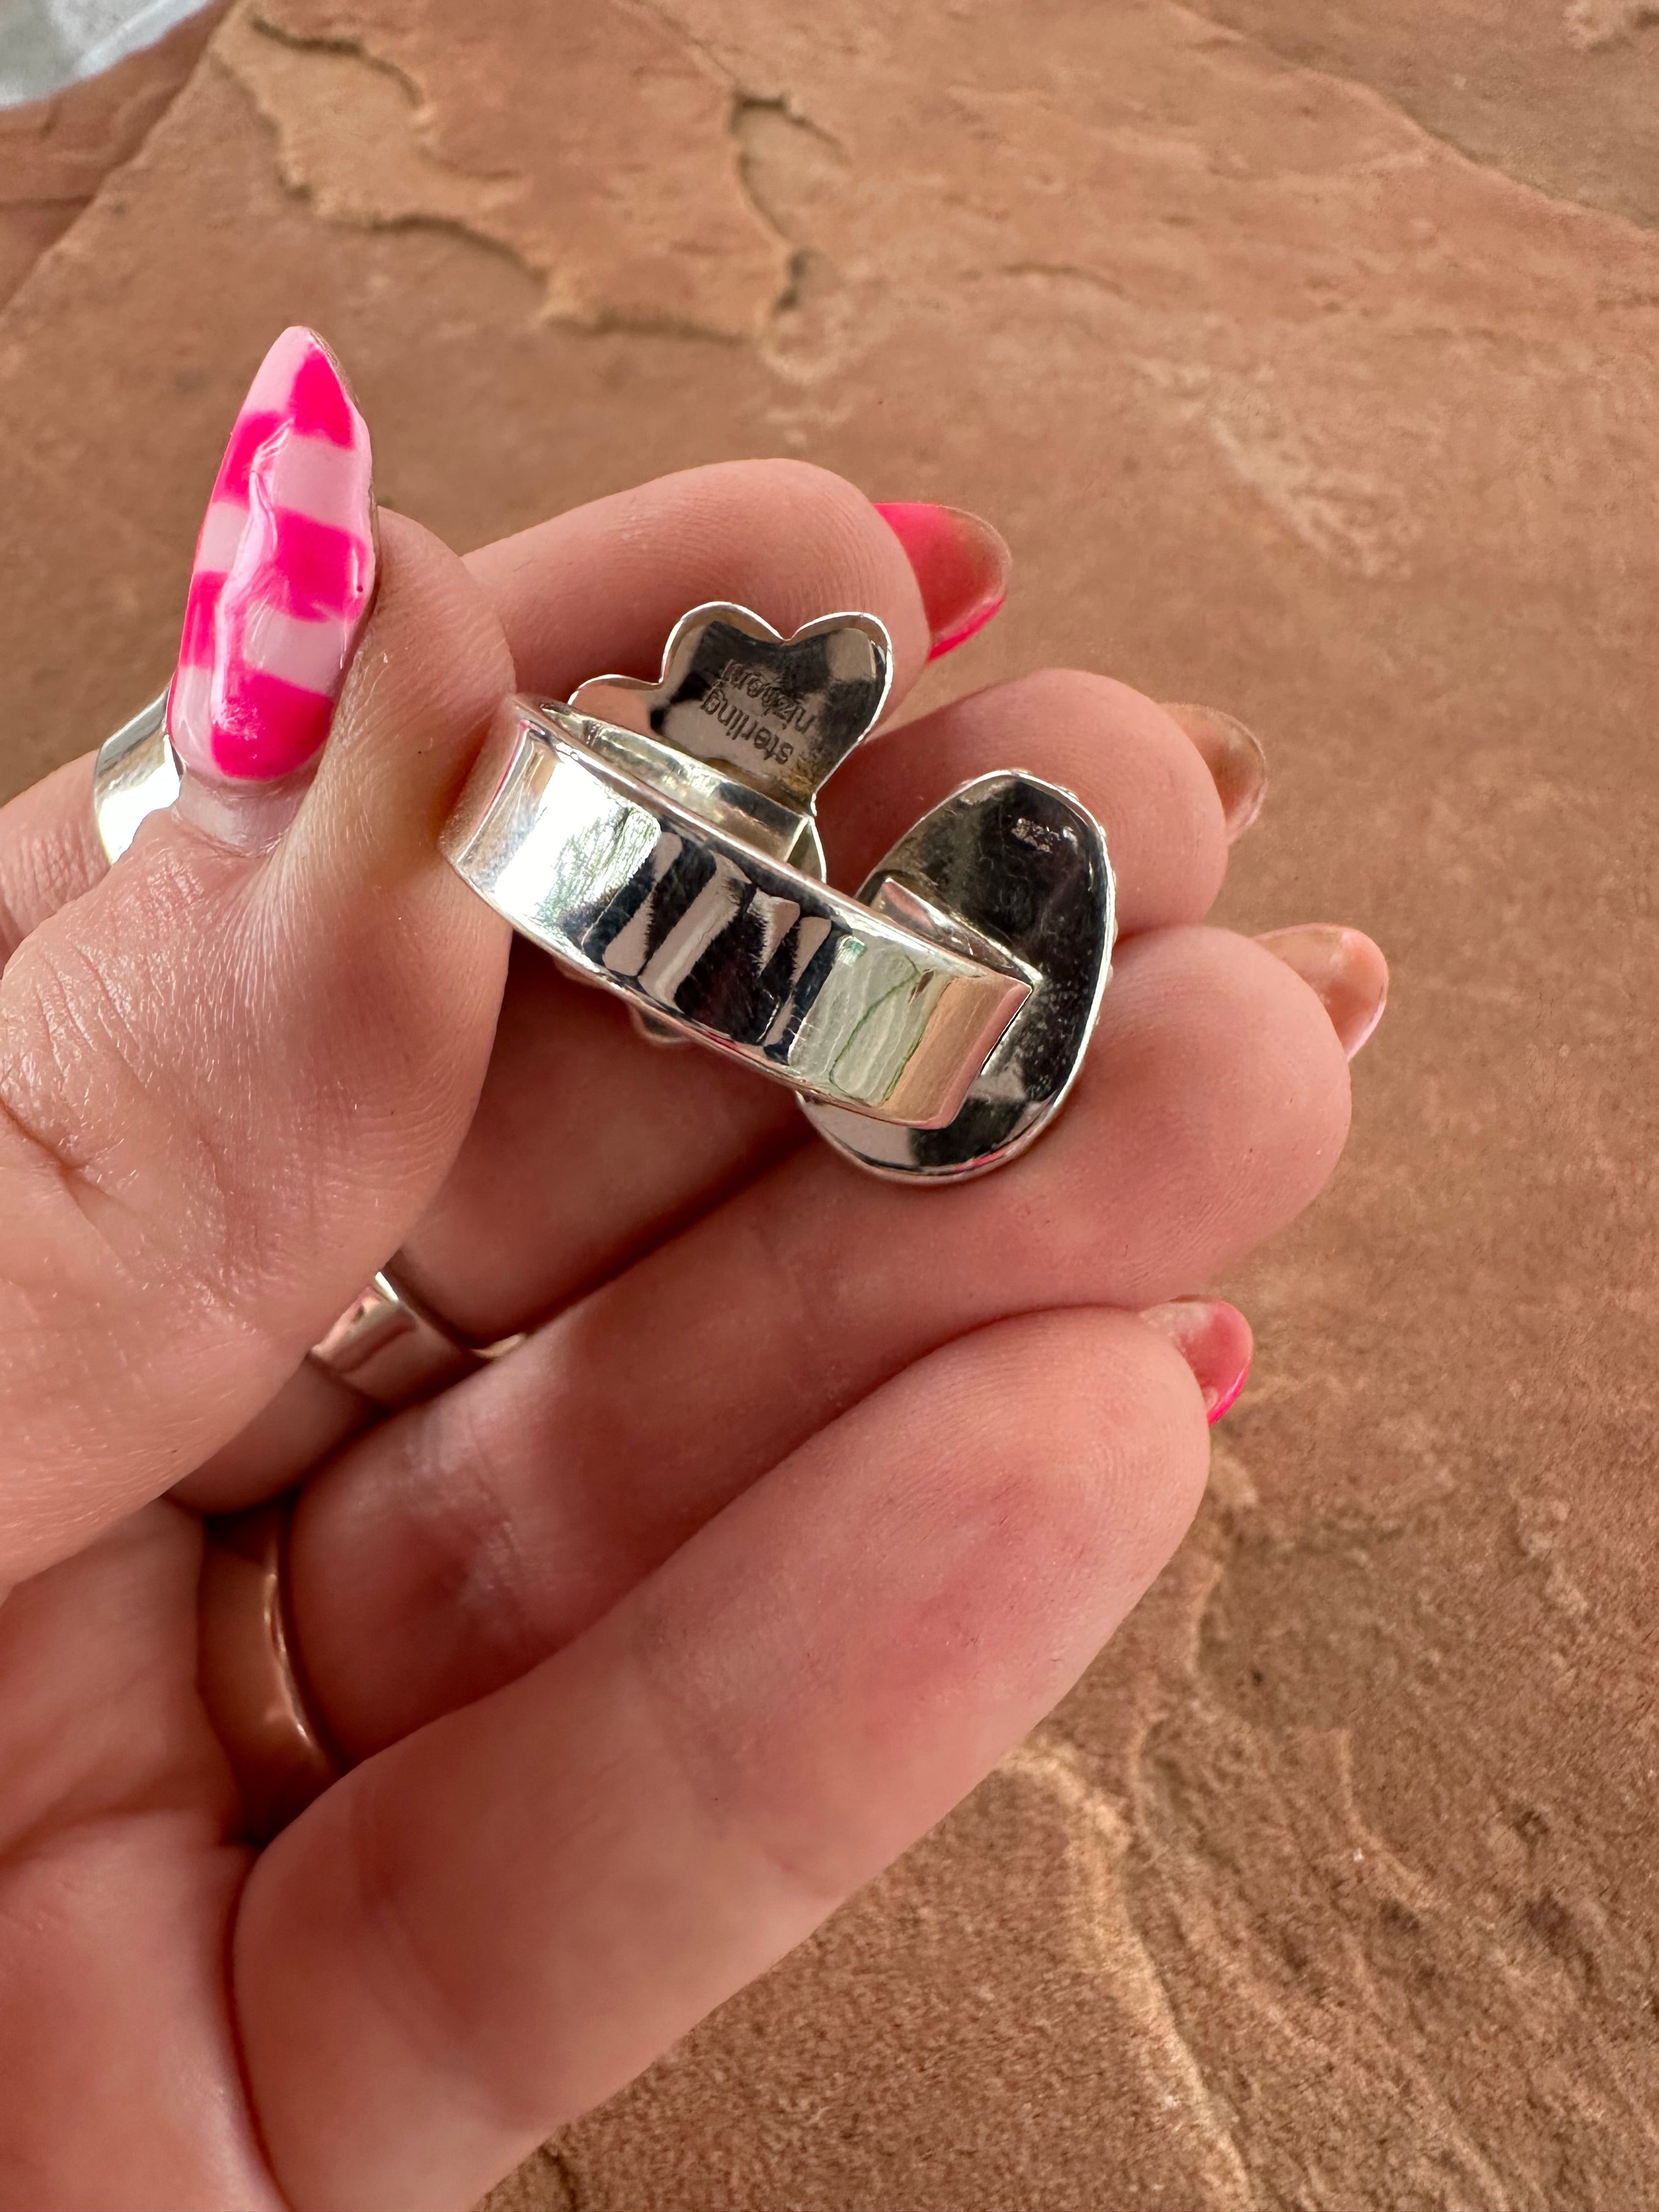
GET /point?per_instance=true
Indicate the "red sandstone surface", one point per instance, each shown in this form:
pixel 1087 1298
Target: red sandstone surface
pixel 1305 357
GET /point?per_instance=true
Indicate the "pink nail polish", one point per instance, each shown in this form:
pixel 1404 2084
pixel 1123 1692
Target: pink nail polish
pixel 1214 1339
pixel 962 566
pixel 284 574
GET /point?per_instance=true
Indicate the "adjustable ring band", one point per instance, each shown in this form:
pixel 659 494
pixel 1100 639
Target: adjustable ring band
pixel 932 1026
pixel 590 840
pixel 248 1671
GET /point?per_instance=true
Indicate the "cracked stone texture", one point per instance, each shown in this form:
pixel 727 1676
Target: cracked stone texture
pixel 1306 361
pixel 54 154
pixel 1564 94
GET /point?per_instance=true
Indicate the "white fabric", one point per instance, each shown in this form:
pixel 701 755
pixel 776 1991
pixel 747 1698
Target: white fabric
pixel 47 43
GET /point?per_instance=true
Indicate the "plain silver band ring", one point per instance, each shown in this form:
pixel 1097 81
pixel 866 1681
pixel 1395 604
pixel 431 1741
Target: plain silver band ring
pixel 393 1350
pixel 568 827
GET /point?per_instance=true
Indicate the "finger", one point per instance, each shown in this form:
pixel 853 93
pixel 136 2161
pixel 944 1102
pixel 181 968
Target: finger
pixel 582 1152
pixel 497 1923
pixel 117 1890
pixel 1346 972
pixel 1234 757
pixel 597 590
pixel 962 566
pixel 589 1145
pixel 446 1552
pixel 49 851
pixel 306 1420
pixel 1135 770
pixel 230 1081
pixel 1215 1340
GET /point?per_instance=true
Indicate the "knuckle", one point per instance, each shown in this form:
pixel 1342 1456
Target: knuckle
pixel 96 1021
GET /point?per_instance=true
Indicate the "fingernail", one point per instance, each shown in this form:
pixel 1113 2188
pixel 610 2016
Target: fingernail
pixel 284 575
pixel 960 564
pixel 1214 1339
pixel 1347 970
pixel 1234 757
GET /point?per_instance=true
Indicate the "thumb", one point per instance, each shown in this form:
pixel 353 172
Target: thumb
pixel 231 1080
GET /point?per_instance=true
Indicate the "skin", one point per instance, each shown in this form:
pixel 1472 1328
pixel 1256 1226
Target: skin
pixel 806 1499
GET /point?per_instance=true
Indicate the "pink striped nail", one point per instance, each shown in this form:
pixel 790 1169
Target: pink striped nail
pixel 284 574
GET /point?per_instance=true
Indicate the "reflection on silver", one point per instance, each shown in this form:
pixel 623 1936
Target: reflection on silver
pixel 1023 863
pixel 781 713
pixel 394 1351
pixel 690 922
pixel 932 1026
pixel 136 774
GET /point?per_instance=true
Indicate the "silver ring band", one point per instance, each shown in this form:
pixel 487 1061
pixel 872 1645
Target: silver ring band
pixel 932 1026
pixel 135 775
pixel 393 1350
pixel 584 836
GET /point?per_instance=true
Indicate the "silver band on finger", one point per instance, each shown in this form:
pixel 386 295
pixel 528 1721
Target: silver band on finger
pixel 135 775
pixel 393 1350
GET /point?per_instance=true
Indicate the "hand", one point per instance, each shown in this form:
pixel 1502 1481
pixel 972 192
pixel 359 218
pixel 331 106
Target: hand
pixel 806 1497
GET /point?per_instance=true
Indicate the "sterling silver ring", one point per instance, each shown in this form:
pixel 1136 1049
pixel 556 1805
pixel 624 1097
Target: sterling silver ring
pixel 135 775
pixel 393 1350
pixel 932 1026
